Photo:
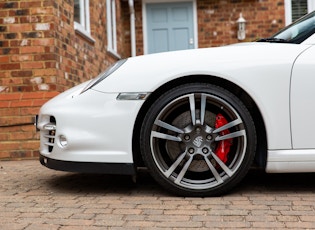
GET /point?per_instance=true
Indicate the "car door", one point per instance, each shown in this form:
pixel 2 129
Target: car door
pixel 169 26
pixel 303 101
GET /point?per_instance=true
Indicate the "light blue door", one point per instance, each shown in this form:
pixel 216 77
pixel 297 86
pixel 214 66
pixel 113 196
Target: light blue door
pixel 169 26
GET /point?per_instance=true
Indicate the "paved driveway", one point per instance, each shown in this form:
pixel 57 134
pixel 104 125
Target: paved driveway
pixel 33 197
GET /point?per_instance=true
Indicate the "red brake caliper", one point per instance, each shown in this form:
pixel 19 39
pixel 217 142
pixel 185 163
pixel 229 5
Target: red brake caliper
pixel 223 147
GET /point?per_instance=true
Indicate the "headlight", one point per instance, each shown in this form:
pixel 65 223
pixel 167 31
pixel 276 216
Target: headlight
pixel 104 75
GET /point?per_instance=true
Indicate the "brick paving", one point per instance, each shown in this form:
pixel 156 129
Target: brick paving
pixel 33 197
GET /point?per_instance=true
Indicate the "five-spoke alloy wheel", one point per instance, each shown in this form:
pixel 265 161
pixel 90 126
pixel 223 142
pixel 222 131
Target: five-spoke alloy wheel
pixel 198 140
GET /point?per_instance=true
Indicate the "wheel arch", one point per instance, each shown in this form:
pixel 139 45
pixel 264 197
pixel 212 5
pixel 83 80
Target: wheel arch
pixel 261 149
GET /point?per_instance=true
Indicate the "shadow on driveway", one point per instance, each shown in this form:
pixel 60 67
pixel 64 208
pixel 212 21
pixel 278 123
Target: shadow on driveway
pixel 255 181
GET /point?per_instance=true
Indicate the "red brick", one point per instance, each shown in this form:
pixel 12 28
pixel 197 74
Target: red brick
pixel 39 102
pixel 30 4
pixel 10 82
pixel 20 136
pixel 51 94
pixel 10 97
pixel 28 128
pixel 50 64
pixel 29 111
pixel 22 88
pixel 5 111
pixel 41 11
pixel 4 154
pixel 45 57
pixel 19 12
pixel 4 104
pixel 8 51
pixel 22 73
pixel 24 103
pixel 32 95
pixel 44 42
pixel 30 19
pixel 21 154
pixel 4 74
pixel 10 66
pixel 30 145
pixel 17 119
pixel 19 27
pixel 44 72
pixel 4 59
pixel 4 136
pixel 7 146
pixel 32 65
pixel 21 58
pixel 31 49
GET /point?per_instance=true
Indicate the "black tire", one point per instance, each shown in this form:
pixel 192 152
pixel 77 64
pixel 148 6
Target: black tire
pixel 180 144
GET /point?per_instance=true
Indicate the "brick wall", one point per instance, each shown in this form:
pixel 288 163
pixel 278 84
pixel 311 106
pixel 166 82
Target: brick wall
pixel 40 56
pixel 217 20
pixel 27 62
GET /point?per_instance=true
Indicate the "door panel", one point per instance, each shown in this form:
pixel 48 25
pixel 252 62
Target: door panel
pixel 303 100
pixel 169 26
pixel 160 40
pixel 180 38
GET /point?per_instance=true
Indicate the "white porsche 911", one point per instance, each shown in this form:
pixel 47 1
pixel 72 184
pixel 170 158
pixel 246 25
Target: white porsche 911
pixel 197 119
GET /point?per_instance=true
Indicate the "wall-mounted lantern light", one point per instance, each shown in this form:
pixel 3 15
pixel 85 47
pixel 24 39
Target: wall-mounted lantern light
pixel 241 34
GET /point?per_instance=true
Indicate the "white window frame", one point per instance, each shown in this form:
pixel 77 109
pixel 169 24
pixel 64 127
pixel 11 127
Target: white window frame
pixel 84 27
pixel 111 27
pixel 288 9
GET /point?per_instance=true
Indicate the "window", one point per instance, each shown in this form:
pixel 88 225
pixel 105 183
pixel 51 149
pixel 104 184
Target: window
pixel 82 18
pixel 294 9
pixel 111 27
pixel 298 9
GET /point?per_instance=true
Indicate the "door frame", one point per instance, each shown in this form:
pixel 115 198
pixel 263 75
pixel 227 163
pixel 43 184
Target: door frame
pixel 144 20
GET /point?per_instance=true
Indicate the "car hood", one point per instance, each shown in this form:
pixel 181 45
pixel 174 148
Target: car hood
pixel 148 72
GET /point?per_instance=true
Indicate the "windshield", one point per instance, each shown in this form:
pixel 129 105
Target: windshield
pixel 296 32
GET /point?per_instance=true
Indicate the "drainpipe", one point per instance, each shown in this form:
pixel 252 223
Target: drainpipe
pixel 132 27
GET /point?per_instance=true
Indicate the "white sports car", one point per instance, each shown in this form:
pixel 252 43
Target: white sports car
pixel 197 119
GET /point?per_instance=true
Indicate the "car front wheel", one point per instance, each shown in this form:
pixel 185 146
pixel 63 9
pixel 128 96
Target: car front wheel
pixel 198 140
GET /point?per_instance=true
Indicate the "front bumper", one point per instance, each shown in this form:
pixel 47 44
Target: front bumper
pixel 93 129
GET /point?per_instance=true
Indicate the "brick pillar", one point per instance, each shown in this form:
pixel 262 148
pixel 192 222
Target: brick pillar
pixel 27 72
